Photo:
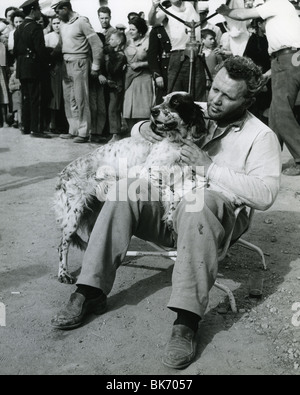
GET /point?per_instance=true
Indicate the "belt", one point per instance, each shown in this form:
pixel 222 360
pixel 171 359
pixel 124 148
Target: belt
pixel 284 51
pixel 178 50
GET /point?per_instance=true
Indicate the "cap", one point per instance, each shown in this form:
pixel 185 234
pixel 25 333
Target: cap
pixel 55 3
pixel 120 26
pixel 30 3
pixel 203 6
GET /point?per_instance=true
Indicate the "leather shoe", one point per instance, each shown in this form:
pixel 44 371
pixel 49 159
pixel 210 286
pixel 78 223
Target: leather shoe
pixel 181 348
pixel 66 136
pixel 293 171
pixel 77 310
pixel 81 140
pixel 40 135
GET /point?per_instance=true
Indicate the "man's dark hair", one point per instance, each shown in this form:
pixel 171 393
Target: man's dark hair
pixel 208 32
pixel 140 24
pixel 10 9
pixel 244 69
pixel 104 10
pixel 16 14
pixel 132 15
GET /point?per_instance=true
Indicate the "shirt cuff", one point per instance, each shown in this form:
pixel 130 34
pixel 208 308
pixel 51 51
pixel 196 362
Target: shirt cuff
pixel 95 67
pixel 212 172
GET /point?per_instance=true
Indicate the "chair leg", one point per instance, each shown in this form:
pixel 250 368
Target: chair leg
pixel 252 247
pixel 229 294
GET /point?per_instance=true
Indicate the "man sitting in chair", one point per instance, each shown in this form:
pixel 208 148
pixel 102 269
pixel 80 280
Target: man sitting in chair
pixel 241 160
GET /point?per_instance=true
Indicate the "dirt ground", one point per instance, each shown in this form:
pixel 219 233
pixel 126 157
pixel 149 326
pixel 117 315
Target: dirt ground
pixel 262 339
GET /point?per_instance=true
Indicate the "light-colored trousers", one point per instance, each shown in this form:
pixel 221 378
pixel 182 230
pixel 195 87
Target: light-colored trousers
pixel 285 90
pixel 200 236
pixel 76 74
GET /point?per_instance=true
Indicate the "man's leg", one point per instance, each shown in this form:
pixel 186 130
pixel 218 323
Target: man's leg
pixel 200 237
pixel 108 244
pixel 285 88
pixel 25 107
pixel 81 77
pixel 70 105
pixel 34 90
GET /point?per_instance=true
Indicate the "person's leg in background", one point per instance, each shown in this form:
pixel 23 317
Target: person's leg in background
pixel 70 104
pixel 98 111
pixel 285 90
pixel 25 107
pixel 81 76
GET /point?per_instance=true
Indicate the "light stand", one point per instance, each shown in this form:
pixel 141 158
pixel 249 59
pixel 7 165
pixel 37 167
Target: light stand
pixel 192 50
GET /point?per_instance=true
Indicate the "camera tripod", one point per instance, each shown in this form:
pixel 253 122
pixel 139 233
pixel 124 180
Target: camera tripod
pixel 192 51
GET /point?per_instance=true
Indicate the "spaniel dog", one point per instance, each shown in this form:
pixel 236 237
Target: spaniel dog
pixel 85 184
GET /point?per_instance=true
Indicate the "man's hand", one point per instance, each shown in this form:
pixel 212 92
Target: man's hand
pixel 94 74
pixel 192 155
pixel 160 82
pixel 102 79
pixel 224 10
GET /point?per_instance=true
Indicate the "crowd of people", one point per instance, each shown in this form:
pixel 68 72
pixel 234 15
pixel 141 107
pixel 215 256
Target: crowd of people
pixel 90 86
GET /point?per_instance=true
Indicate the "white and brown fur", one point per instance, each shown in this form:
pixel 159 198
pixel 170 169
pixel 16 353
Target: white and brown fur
pixel 76 204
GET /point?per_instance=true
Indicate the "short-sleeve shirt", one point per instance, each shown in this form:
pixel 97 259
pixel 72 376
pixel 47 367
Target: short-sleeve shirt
pixel 283 24
pixel 176 30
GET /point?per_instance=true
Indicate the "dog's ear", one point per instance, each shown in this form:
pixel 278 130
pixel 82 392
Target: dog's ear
pixel 197 119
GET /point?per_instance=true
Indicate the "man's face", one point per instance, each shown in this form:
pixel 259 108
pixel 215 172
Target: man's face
pixel 62 13
pixel 209 42
pixel 104 20
pixel 226 100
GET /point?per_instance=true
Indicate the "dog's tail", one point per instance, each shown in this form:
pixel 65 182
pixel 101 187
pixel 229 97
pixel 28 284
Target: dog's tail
pixel 77 241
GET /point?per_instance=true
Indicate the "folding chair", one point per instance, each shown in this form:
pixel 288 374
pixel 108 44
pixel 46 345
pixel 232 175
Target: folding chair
pixel 172 254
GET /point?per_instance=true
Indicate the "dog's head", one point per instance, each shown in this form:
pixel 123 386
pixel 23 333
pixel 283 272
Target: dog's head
pixel 178 117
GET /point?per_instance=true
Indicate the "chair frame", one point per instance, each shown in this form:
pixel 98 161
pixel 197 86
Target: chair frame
pixel 161 251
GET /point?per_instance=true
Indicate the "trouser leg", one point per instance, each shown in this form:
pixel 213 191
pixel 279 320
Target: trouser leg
pixel 285 89
pixel 110 239
pixel 200 236
pixel 70 105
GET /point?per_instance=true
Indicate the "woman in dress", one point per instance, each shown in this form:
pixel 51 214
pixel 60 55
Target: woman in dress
pixel 139 96
pixel 56 104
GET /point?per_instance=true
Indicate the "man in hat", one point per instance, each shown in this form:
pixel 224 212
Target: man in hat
pixel 179 78
pixel 283 34
pixel 31 54
pixel 82 51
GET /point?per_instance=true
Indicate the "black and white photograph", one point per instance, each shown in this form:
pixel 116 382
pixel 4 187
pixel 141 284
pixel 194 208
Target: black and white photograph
pixel 149 190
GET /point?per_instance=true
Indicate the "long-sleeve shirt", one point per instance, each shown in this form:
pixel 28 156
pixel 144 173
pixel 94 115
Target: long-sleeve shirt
pixel 78 39
pixel 246 164
pixel 246 159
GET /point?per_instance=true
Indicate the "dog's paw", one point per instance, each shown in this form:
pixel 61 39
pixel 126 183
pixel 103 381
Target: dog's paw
pixel 66 278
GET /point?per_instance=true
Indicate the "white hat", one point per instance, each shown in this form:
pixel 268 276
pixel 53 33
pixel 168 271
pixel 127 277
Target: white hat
pixel 203 6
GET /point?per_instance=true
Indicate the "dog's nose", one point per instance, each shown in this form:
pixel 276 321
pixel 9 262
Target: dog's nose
pixel 155 111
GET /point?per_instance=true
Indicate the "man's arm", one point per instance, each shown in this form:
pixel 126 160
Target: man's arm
pixel 259 185
pixel 95 44
pixel 155 17
pixel 239 14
